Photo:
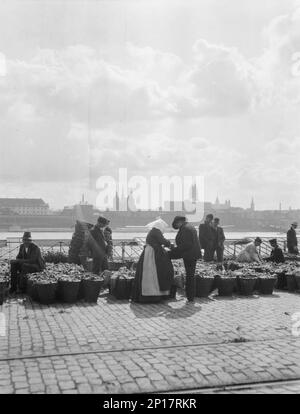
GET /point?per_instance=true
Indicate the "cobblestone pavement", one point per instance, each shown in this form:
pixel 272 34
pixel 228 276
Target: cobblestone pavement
pixel 115 346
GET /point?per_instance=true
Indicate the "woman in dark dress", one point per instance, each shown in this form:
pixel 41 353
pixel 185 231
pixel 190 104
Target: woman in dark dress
pixel 154 274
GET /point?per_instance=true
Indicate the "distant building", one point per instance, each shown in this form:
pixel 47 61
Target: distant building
pixel 219 206
pixel 24 206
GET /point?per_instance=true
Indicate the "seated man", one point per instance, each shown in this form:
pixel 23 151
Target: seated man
pixel 28 260
pixel 250 253
pixel 276 253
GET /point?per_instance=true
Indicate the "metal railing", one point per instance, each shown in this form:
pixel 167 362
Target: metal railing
pixel 124 249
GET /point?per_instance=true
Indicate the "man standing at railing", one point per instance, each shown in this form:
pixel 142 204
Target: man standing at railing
pixel 28 260
pixel 220 239
pixel 292 242
pixel 98 245
pixel 207 238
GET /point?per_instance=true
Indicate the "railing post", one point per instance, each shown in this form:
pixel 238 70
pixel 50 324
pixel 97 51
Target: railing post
pixel 123 251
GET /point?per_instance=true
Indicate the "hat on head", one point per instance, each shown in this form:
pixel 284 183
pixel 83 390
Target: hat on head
pixel 27 236
pixel 294 223
pixel 103 220
pixel 210 216
pixel 273 241
pixel 177 219
pixel 258 240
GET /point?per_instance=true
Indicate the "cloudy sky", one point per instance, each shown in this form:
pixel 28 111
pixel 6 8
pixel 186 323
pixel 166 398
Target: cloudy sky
pixel 206 87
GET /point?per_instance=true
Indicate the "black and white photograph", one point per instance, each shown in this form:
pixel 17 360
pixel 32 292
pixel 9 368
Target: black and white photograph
pixel 149 200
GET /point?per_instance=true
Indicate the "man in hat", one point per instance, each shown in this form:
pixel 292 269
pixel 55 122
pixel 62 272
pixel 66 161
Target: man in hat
pixel 220 239
pixel 250 253
pixel 292 242
pixel 98 245
pixel 276 253
pixel 188 249
pixel 208 238
pixel 28 260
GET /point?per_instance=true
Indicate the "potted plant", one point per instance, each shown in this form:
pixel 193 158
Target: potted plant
pixel 246 284
pixel 46 291
pixel 291 282
pixel 226 285
pixel 204 285
pixel 91 286
pixel 4 282
pixel 68 288
pixel 267 284
pixel 297 279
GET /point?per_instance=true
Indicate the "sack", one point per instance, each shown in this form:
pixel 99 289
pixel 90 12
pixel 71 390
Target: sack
pixel 121 286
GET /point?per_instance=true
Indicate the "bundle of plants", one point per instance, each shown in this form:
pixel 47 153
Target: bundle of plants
pixel 78 250
pixel 55 257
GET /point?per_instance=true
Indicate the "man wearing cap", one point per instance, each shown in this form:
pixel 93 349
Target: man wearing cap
pixel 276 253
pixel 28 260
pixel 188 249
pixel 292 242
pixel 98 245
pixel 250 253
pixel 208 238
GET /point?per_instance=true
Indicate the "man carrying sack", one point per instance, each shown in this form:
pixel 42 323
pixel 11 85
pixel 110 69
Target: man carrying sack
pixel 28 260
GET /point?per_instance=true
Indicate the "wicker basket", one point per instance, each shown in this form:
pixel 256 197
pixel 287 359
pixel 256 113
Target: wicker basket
pixel 46 292
pixel 226 286
pixel 246 285
pixel 68 290
pixel 291 282
pixel 266 285
pixel 204 286
pixel 91 289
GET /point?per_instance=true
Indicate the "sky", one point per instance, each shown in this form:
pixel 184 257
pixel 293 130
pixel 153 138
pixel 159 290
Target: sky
pixel 203 88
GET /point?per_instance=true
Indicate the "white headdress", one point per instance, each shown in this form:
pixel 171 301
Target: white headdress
pixel 158 224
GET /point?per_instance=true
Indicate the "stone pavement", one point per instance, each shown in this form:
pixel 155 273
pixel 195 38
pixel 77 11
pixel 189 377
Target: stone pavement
pixel 119 347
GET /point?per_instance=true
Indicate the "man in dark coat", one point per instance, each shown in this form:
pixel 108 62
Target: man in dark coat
pixel 207 238
pixel 98 245
pixel 188 249
pixel 28 260
pixel 292 242
pixel 220 239
pixel 277 255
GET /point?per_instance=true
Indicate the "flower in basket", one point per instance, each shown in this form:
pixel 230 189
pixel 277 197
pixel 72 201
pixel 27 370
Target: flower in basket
pixel 92 277
pixel 70 278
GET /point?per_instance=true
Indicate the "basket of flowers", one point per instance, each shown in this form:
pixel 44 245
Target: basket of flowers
pixel 91 286
pixel 68 288
pixel 267 284
pixel 246 284
pixel 226 285
pixel 204 284
pixel 291 282
pixel 46 291
pixel 4 283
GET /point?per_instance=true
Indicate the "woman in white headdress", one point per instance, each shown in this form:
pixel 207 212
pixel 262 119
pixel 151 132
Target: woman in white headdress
pixel 155 274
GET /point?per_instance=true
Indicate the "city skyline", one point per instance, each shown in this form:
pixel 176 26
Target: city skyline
pixel 105 91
